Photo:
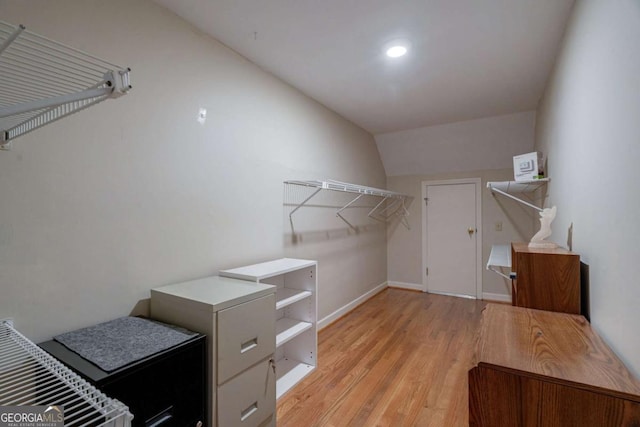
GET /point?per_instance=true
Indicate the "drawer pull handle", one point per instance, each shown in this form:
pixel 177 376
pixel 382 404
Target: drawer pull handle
pixel 248 345
pixel 249 411
pixel 164 418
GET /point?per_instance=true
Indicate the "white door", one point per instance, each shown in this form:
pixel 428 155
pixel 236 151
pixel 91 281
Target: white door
pixel 452 239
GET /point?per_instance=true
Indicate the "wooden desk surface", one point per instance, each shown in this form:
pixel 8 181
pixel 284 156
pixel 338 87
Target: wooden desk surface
pixel 559 347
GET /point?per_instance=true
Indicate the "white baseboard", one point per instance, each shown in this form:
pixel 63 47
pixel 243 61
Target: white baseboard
pixel 353 304
pixel 405 285
pixel 486 296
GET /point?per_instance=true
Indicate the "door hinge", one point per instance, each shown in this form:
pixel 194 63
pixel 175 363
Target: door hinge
pixel 427 272
pixel 426 200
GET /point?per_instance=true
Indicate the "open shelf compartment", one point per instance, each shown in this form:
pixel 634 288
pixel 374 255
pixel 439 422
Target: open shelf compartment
pixel 296 314
pixel 289 372
pixel 287 329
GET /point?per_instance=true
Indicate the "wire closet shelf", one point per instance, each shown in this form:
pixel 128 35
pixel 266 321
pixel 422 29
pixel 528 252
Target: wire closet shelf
pixel 29 376
pixel 396 203
pixel 42 81
pixel 509 188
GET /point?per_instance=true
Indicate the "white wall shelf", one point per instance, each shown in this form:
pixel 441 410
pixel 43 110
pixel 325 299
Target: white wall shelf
pixel 509 188
pixel 500 258
pixel 296 314
pixel 396 203
pixel 42 81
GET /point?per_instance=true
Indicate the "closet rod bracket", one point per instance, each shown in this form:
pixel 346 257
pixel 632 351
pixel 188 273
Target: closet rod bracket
pixel 517 199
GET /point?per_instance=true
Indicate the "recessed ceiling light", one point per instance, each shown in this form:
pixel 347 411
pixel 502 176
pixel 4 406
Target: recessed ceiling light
pixel 396 51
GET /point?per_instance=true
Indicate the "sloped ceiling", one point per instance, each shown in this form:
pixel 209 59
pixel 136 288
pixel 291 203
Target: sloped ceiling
pixel 468 59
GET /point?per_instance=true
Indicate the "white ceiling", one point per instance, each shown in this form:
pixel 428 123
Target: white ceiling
pixel 468 58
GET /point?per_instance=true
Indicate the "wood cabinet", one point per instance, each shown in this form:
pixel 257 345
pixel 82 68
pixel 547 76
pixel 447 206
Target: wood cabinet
pixel 238 318
pixel 540 368
pixel 296 310
pixel 545 279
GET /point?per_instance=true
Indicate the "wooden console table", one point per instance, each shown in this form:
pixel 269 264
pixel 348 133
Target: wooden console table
pixel 541 368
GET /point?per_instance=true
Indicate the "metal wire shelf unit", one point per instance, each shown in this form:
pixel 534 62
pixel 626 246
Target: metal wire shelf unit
pixel 42 81
pixel 29 376
pixel 500 256
pixel 396 203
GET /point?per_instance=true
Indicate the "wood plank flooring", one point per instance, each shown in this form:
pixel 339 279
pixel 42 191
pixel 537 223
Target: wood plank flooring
pixel 400 359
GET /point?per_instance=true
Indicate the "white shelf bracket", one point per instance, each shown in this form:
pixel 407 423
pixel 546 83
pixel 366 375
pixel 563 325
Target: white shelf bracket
pixel 495 270
pixel 506 189
pixel 338 213
pixel 303 202
pixel 375 208
pixel 393 207
pixel 11 38
pixel 349 204
pixel 517 199
pixel 405 215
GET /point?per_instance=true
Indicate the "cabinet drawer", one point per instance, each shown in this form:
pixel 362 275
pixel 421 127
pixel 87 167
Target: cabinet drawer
pixel 250 398
pixel 246 335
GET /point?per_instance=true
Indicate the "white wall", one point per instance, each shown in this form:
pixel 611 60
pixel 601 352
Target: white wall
pixel 134 193
pixel 481 144
pixel 589 125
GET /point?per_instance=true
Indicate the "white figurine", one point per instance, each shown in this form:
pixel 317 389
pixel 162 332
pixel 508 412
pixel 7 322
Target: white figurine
pixel 546 217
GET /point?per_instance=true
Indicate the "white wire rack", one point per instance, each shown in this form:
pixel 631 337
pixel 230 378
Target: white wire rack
pixel 29 376
pixel 42 81
pixel 499 258
pixel 391 203
pixel 509 188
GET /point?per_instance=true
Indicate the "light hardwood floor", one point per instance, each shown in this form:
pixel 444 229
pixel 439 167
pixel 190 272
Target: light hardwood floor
pixel 400 359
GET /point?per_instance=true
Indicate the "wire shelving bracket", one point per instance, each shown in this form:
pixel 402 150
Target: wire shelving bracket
pixel 42 81
pixel 509 188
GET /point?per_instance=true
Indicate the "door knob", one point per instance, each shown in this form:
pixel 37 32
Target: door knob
pixel 471 230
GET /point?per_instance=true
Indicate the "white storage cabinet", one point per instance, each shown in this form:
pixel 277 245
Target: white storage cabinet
pixel 238 318
pixel 296 282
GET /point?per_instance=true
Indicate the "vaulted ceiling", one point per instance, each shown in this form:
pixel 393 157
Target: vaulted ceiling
pixel 467 59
